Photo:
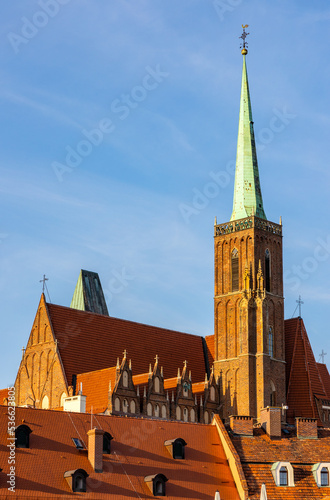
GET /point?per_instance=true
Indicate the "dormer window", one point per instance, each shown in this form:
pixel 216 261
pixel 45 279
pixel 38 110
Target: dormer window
pixel 157 484
pixel 176 448
pixel 283 474
pixel 76 479
pixel 22 436
pixel 321 472
pixel 107 443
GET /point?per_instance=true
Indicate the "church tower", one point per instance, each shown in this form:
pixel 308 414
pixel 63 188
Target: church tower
pixel 248 302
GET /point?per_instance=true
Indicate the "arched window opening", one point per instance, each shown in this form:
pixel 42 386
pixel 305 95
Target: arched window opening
pixel 178 413
pixel 267 270
pixel 156 384
pixel 271 342
pixel 206 417
pixel 107 443
pixel 283 476
pixel 149 410
pixel 156 410
pixel 272 394
pixel 22 436
pixel 164 411
pixel 192 415
pixel 117 404
pixel 125 406
pixel 212 393
pixel 133 406
pixel 234 271
pixel 45 403
pixel 185 415
pixel 125 378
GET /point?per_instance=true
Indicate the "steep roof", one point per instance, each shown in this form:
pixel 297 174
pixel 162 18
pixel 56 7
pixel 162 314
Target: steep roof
pixel 3 395
pixel 88 294
pixel 257 455
pixel 325 377
pixel 137 450
pixel 303 378
pixel 89 341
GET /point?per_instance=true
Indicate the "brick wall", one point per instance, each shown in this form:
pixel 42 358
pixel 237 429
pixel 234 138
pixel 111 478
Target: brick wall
pixel 306 428
pixel 241 425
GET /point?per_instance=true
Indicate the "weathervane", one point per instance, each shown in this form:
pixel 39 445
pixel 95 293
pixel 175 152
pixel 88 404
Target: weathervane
pixel 243 37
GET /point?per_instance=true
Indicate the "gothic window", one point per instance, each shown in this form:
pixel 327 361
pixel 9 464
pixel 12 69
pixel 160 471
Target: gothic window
pixel 272 394
pixel 283 476
pixel 185 415
pixel 149 410
pixel 324 476
pixel 117 404
pixel 156 384
pixel 206 417
pixel 234 271
pixel 178 413
pixel 156 411
pixel 267 270
pixel 132 410
pixel 192 415
pixel 125 406
pixel 125 378
pixel 45 403
pixel 212 393
pixel 271 342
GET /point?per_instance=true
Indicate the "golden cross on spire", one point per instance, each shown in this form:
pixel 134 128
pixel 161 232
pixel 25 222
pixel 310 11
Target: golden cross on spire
pixel 243 37
pixel 156 358
pixel 125 354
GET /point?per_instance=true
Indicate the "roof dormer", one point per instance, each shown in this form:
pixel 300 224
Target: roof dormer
pixel 157 484
pixel 176 448
pixel 76 479
pixel 22 436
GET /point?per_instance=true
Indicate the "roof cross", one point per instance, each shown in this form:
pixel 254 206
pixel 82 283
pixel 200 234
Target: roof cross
pixel 156 358
pixel 322 355
pixel 43 281
pixel 125 353
pixel 299 302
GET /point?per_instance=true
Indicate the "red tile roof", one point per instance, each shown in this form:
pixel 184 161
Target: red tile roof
pixel 95 386
pixel 257 455
pixel 303 378
pixel 3 395
pixel 210 349
pixel 137 450
pixel 89 342
pixel 324 374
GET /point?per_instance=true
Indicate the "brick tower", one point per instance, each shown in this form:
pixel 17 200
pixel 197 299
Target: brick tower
pixel 248 302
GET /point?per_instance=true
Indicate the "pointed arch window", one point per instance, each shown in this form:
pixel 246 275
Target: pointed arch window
pixel 267 270
pixel 234 271
pixel 271 342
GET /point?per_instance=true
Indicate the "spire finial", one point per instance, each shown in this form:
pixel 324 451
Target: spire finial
pixel 243 36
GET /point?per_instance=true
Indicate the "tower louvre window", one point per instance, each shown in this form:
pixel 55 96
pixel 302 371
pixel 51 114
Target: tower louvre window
pixel 267 270
pixel 234 271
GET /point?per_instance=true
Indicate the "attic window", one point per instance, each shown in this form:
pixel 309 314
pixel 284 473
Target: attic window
pixel 76 479
pixel 321 472
pixel 78 444
pixel 283 474
pixel 22 436
pixel 107 443
pixel 157 484
pixel 176 448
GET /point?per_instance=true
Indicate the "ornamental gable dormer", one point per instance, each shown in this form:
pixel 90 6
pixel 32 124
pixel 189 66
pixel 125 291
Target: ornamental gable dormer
pixel 123 399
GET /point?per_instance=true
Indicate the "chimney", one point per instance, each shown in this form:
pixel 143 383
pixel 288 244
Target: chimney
pixel 241 425
pixel 270 420
pixel 95 449
pixel 306 428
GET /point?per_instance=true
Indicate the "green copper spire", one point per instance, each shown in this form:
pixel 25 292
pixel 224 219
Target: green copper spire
pixel 247 191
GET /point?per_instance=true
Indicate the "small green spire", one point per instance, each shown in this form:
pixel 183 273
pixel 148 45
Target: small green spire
pixel 247 191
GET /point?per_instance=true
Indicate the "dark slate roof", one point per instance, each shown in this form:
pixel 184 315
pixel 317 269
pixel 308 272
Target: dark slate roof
pixel 88 295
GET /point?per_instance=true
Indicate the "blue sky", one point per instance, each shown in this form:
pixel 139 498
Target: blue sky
pixel 156 85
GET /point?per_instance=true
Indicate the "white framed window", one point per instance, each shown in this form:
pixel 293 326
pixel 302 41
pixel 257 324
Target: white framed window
pixel 283 474
pixel 321 473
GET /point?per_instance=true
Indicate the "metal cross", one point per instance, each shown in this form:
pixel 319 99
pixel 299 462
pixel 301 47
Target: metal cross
pixel 243 36
pixel 322 355
pixel 300 302
pixel 43 281
pixel 156 358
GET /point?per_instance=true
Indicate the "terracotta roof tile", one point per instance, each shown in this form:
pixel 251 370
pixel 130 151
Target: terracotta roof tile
pixel 303 378
pixel 324 374
pixel 3 395
pixel 210 348
pixel 137 450
pixel 89 342
pixel 95 386
pixel 259 453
